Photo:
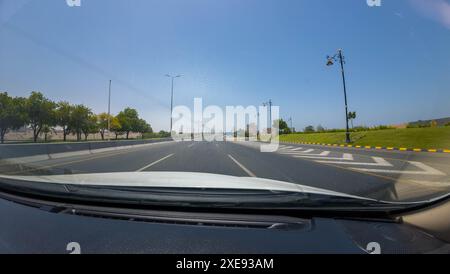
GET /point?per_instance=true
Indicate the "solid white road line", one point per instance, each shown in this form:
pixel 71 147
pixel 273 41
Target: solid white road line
pixel 426 170
pixel 251 174
pixel 345 157
pixel 191 145
pixel 378 162
pixel 154 163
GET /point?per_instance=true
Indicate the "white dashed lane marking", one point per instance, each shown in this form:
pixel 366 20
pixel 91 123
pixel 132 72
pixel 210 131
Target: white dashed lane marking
pixel 377 162
pixel 246 170
pixel 345 157
pixel 348 159
pixel 425 170
pixel 154 163
pixel 298 151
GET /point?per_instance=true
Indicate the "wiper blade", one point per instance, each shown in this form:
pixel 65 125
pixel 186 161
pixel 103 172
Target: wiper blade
pixel 220 198
pixel 195 197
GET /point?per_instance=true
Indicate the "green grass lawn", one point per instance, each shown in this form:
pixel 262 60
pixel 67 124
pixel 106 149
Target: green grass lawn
pixel 425 138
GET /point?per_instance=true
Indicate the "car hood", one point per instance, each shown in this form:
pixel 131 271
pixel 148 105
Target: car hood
pixel 178 180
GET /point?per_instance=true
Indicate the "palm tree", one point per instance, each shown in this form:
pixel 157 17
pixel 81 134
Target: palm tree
pixel 351 117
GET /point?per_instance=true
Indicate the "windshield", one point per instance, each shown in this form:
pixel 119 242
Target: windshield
pixel 345 99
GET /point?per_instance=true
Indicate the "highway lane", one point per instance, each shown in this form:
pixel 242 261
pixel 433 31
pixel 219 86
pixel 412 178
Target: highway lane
pixel 375 174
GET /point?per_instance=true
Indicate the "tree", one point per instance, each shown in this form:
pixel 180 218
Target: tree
pixel 320 128
pixel 90 126
pixel 165 134
pixel 143 127
pixel 46 129
pixel 309 129
pixel 129 120
pixel 12 114
pixel 102 121
pixel 79 120
pixel 40 112
pixel 351 117
pixel 63 116
pixel 116 127
pixel 283 127
pixel 149 129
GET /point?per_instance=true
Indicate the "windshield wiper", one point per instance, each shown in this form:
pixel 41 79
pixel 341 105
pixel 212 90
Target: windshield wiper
pixel 196 198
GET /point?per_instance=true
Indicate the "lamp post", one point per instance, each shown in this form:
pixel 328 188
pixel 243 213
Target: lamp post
pixel 171 99
pixel 258 125
pixel 269 104
pixel 290 121
pixel 331 59
pixel 109 111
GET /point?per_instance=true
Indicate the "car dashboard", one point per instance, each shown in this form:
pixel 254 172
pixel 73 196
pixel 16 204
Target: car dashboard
pixel 30 228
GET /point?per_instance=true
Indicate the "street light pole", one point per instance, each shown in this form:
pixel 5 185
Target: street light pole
pixel 270 112
pixel 340 56
pixel 290 120
pixel 347 133
pixel 258 125
pixel 171 100
pixel 171 108
pixel 109 112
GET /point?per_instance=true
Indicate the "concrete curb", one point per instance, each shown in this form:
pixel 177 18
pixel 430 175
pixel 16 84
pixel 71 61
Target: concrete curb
pixel 373 147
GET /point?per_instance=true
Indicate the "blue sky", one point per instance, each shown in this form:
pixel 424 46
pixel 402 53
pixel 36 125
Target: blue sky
pixel 233 52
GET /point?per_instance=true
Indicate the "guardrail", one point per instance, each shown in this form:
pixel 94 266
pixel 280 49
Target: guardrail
pixel 30 152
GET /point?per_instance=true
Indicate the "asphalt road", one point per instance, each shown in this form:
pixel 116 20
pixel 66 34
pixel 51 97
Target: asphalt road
pixel 386 175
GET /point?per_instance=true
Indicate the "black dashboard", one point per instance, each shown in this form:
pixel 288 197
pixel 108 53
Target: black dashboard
pixel 30 229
